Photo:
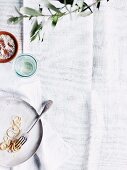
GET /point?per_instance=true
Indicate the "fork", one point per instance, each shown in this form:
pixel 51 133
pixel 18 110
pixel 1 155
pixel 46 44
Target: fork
pixel 22 139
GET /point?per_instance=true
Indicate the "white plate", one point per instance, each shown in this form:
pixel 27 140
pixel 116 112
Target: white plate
pixel 10 107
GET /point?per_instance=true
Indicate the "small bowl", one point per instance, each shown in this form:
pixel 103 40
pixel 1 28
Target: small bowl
pixel 25 65
pixel 16 47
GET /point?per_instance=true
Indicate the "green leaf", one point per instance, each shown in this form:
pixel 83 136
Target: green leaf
pixel 56 17
pixel 36 28
pixel 14 20
pixel 98 5
pixel 54 20
pixel 37 34
pixel 33 37
pixel 50 6
pixel 30 12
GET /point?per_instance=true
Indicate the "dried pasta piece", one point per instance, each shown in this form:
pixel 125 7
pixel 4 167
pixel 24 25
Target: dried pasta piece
pixel 12 146
pixel 12 133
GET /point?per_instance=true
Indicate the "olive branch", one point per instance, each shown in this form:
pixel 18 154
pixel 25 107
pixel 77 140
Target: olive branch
pixel 49 12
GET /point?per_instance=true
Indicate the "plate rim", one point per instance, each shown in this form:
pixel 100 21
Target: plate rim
pixel 40 122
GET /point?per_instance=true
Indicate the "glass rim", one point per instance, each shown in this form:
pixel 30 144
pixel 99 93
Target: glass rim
pixel 27 55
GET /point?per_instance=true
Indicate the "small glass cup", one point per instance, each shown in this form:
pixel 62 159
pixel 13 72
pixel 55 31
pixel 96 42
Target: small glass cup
pixel 25 65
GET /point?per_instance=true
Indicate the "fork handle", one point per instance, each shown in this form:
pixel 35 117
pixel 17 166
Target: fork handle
pixel 47 105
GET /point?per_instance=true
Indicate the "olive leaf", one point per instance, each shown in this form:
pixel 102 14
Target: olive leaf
pixel 50 6
pixel 34 28
pixel 54 20
pixel 33 37
pixel 35 31
pixel 30 12
pixel 37 34
pixel 56 17
pixel 14 20
pixel 98 5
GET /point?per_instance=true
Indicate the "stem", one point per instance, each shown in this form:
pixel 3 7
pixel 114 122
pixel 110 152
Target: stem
pixel 66 13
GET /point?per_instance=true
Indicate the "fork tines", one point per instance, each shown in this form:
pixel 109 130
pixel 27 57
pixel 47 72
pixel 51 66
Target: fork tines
pixel 20 141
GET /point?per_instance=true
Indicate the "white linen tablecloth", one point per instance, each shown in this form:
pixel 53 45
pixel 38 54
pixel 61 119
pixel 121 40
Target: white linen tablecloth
pixel 82 68
pixel 65 80
pixel 108 149
pixel 65 72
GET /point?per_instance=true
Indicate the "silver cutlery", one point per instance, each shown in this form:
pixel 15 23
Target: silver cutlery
pixel 22 139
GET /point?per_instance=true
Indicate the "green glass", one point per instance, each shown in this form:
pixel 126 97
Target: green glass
pixel 25 65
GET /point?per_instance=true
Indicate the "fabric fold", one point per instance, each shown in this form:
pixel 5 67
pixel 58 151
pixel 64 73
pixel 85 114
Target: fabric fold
pixel 109 93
